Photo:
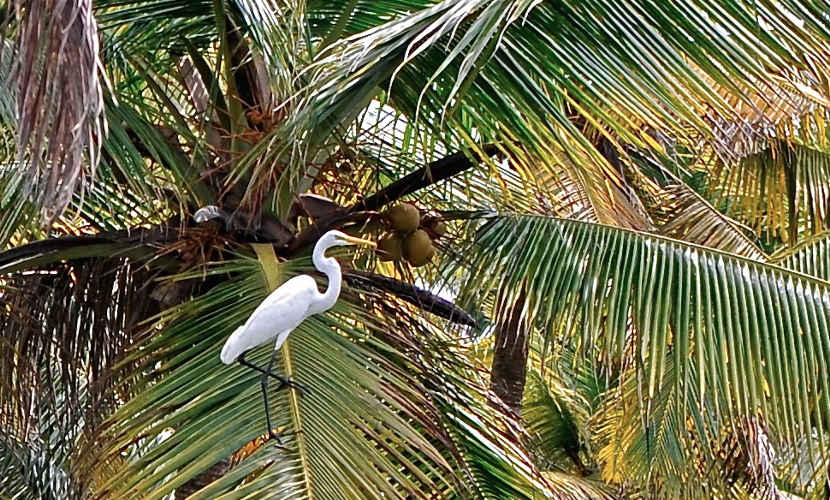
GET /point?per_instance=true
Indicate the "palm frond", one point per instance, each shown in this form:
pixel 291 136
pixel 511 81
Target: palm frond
pixel 669 364
pixel 340 447
pixel 811 256
pixel 63 326
pixel 60 106
pixel 487 452
pixel 574 487
pixel 555 432
pixel 502 50
pixel 665 454
pixel 746 337
pixel 781 192
pixel 27 473
pixel 689 217
pixel 797 111
pixel 8 95
pixel 385 412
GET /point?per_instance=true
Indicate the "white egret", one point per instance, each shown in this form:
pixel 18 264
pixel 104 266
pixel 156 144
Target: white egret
pixel 285 308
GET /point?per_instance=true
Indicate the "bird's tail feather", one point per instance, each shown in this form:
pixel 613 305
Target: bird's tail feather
pixel 230 351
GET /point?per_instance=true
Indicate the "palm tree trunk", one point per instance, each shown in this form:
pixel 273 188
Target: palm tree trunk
pixel 509 370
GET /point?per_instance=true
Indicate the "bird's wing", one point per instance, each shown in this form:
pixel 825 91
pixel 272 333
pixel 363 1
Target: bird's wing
pixel 284 309
pixel 298 286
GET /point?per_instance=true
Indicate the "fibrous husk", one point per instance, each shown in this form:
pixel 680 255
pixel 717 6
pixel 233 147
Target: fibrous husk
pixel 404 217
pixel 390 248
pixel 418 248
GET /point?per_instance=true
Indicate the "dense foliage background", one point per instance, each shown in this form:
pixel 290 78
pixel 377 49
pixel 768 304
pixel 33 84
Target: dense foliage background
pixel 631 299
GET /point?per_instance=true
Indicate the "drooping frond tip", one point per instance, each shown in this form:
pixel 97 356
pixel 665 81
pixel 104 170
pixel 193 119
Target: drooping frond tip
pixel 60 109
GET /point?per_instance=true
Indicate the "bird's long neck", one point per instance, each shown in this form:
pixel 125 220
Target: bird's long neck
pixel 330 267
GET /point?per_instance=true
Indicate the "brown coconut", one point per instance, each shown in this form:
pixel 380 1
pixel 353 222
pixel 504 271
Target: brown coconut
pixel 418 248
pixel 438 228
pixel 404 217
pixel 390 248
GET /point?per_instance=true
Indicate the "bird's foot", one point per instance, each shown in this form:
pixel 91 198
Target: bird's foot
pixel 284 381
pixel 277 437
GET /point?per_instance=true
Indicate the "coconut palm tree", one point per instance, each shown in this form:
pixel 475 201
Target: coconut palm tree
pixel 627 204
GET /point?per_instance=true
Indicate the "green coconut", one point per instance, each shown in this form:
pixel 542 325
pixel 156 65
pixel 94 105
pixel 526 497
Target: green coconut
pixel 404 217
pixel 418 248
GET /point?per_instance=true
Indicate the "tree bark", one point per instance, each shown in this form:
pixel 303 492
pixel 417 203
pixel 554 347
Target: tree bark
pixel 509 370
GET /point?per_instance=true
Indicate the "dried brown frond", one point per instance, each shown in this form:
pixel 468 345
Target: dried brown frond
pixel 758 117
pixel 61 328
pixel 747 459
pixel 60 107
pixel 196 246
pixel 250 448
pixel 687 216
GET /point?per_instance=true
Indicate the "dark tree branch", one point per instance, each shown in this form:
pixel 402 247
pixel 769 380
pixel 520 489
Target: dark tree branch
pixel 425 176
pixel 422 299
pixel 103 244
pixel 433 173
pixel 312 233
pixel 112 243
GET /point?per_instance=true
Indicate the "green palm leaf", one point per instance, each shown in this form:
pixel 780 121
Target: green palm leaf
pixel 811 257
pixel 366 426
pixel 746 337
pixel 706 356
pixel 501 51
pixel 663 452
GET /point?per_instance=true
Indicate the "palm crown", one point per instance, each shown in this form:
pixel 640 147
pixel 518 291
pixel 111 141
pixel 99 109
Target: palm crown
pixel 634 197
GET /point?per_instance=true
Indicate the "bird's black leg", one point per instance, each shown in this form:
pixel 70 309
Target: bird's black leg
pixel 287 382
pixel 284 382
pixel 247 364
pixel 264 384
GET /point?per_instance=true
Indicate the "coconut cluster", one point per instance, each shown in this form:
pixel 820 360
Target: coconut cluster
pixel 410 235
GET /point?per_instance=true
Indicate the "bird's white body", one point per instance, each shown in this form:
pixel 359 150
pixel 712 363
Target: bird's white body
pixel 287 306
pixel 280 313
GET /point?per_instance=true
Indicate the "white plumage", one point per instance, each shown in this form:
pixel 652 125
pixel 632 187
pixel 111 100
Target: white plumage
pixel 280 313
pixel 295 300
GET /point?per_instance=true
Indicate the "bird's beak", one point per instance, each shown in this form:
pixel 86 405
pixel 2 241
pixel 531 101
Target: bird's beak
pixel 359 241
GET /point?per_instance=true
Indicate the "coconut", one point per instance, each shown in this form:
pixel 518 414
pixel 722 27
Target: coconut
pixel 404 217
pixel 390 248
pixel 418 248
